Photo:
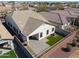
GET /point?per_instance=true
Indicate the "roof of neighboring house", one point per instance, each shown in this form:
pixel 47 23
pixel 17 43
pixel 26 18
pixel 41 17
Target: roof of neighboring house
pixel 8 7
pixel 4 33
pixel 21 18
pixel 73 11
pixel 55 17
pixel 63 18
pixel 31 25
pixel 52 17
pixel 63 15
pixel 2 8
pixel 64 12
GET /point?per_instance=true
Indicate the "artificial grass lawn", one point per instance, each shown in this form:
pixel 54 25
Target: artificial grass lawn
pixel 54 39
pixel 10 54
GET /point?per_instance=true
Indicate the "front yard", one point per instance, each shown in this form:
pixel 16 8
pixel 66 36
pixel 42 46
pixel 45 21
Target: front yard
pixel 54 39
pixel 10 54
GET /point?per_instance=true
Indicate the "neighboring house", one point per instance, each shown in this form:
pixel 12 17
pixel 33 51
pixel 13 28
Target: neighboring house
pixel 57 19
pixel 53 18
pixel 64 17
pixel 29 25
pixel 74 12
pixel 5 36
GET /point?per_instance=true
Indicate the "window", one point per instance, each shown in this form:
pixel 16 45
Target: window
pixel 47 31
pixel 41 34
pixel 52 29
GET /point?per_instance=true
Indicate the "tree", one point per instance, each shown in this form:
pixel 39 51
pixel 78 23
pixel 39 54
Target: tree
pixel 41 7
pixel 74 43
pixel 69 47
pixel 72 4
pixel 23 6
pixel 59 6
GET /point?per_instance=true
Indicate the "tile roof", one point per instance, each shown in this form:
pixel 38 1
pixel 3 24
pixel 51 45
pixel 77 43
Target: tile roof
pixel 31 25
pixel 64 12
pixel 52 17
pixel 21 18
pixel 56 16
pixel 73 11
pixel 4 33
pixel 2 8
pixel 63 15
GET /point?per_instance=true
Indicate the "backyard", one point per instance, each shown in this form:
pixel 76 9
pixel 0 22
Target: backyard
pixel 10 54
pixel 54 39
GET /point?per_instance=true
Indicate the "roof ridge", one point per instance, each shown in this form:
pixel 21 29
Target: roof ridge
pixel 60 18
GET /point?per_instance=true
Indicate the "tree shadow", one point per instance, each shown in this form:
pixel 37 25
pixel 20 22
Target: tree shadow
pixel 65 49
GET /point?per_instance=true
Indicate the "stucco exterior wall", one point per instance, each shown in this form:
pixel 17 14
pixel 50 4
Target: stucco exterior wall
pixel 43 29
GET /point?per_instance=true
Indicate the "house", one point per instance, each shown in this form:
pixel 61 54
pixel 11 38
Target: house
pixel 75 13
pixel 29 25
pixel 5 36
pixel 57 19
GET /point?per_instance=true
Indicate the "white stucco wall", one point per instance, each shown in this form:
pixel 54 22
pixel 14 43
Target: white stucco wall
pixel 43 28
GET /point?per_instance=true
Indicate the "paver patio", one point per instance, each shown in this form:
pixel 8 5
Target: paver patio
pixel 38 46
